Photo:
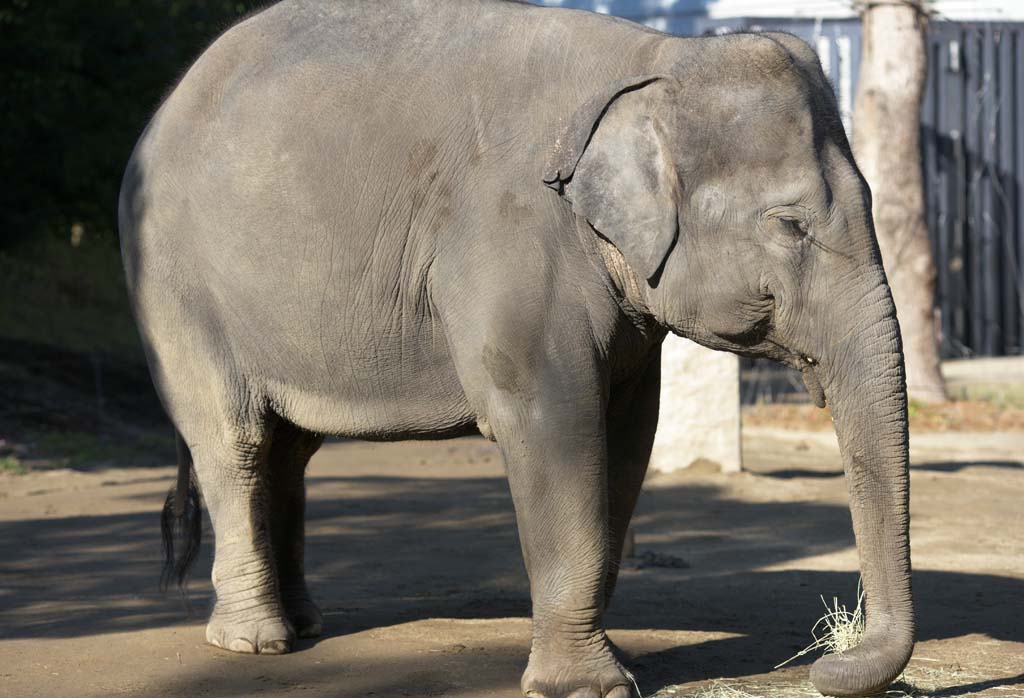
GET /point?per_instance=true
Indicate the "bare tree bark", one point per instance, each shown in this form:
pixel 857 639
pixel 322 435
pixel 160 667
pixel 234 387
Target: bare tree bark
pixel 886 142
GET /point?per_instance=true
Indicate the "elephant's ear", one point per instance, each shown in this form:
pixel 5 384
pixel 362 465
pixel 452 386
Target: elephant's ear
pixel 613 165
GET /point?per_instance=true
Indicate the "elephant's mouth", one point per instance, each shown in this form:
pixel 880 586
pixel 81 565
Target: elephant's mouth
pixel 805 363
pixel 758 342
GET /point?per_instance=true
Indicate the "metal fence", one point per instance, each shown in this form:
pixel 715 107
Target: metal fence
pixel 973 139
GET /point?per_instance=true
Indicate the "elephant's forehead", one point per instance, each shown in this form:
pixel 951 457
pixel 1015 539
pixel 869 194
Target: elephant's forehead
pixel 772 137
pixel 737 193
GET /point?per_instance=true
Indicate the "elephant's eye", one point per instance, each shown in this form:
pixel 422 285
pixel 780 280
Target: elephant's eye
pixel 793 226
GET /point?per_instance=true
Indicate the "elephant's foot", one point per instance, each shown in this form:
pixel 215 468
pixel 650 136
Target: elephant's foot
pixel 587 672
pixel 250 632
pixel 303 614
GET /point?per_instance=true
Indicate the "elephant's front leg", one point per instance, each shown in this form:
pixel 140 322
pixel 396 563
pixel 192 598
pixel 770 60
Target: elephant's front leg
pixel 556 459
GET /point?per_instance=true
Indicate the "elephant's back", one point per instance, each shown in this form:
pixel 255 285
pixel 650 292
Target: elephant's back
pixel 303 66
pixel 295 102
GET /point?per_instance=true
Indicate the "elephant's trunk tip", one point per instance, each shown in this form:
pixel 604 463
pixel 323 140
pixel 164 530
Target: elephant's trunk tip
pixel 864 670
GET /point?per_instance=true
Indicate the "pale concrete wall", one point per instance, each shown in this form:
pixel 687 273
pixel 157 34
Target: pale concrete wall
pixel 700 407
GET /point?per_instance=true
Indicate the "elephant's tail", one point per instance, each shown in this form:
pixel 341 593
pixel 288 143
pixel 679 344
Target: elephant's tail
pixel 181 522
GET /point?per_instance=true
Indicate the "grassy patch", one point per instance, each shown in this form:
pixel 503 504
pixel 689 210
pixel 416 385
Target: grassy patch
pixel 81 450
pixel 12 465
pixel 73 297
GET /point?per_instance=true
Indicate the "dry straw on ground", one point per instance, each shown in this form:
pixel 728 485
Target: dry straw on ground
pixel 837 631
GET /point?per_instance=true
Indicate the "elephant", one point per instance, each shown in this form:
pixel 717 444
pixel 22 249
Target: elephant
pixel 414 219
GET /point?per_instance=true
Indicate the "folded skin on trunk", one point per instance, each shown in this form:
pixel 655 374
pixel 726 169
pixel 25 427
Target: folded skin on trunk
pixel 864 380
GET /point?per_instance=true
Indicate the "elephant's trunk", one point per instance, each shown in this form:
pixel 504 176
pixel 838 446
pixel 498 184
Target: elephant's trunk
pixel 864 381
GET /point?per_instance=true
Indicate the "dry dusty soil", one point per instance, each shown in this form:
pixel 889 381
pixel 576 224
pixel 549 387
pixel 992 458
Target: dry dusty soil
pixel 413 555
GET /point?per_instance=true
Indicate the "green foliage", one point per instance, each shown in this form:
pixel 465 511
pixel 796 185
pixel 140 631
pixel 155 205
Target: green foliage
pixel 80 79
pixel 77 449
pixel 913 408
pixel 69 297
pixel 12 465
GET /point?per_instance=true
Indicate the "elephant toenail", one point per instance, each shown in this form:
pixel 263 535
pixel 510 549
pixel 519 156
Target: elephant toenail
pixel 240 644
pixel 620 692
pixel 275 647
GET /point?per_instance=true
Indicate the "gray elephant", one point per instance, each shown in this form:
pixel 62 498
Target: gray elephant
pixel 417 220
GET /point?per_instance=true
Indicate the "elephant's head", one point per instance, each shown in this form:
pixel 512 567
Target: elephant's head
pixel 729 189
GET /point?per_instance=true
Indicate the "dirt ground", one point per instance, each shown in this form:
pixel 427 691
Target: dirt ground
pixel 413 555
pixel 955 416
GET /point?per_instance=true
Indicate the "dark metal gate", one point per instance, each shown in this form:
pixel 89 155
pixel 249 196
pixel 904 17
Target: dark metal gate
pixel 973 139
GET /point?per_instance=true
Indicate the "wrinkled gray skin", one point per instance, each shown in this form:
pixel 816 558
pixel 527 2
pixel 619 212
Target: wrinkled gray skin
pixel 399 220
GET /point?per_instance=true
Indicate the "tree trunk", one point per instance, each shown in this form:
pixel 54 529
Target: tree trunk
pixel 886 142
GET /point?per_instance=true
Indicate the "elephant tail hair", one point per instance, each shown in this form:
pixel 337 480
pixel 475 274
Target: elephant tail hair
pixel 181 523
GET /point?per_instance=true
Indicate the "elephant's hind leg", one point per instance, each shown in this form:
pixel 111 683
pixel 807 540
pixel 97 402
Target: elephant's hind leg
pixel 232 470
pixel 290 451
pixel 631 423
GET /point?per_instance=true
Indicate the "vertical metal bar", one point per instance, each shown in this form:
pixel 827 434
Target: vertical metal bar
pixel 942 165
pixel 977 173
pixel 936 132
pixel 974 68
pixel 1018 177
pixel 1005 195
pixel 928 140
pixel 926 132
pixel 956 193
pixel 989 262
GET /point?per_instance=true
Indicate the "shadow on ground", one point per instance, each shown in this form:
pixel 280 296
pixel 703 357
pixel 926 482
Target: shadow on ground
pixel 385 551
pixel 933 466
